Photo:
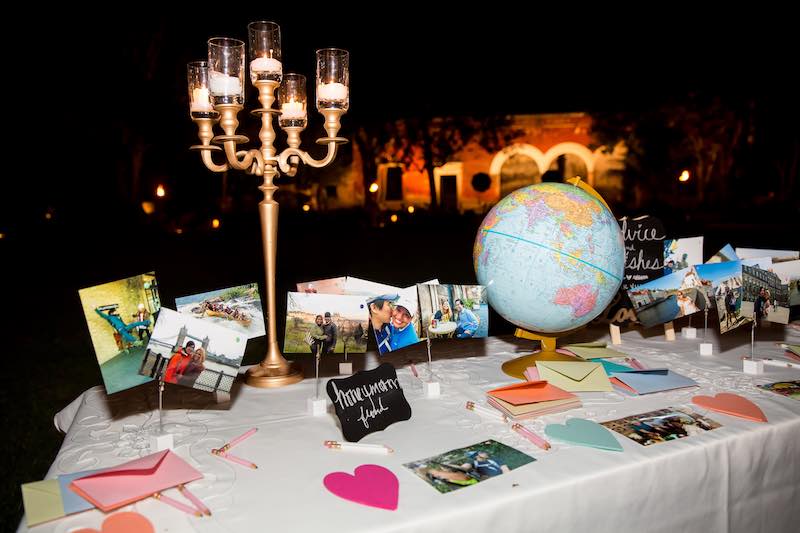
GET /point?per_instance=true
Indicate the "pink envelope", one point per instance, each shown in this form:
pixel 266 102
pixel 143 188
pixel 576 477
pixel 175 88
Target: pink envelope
pixel 118 486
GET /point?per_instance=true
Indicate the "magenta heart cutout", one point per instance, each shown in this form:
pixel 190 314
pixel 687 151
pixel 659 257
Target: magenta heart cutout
pixel 731 404
pixel 371 485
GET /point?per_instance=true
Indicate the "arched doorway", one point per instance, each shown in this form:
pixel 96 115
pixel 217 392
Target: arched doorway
pixel 571 159
pixel 517 166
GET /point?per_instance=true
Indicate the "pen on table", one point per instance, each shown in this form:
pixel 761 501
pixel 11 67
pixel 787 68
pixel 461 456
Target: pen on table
pixel 237 440
pixel 194 499
pixel 234 459
pixel 635 363
pixel 176 504
pixel 531 436
pixel 358 447
pixel 414 369
pixel 781 364
pixel 488 412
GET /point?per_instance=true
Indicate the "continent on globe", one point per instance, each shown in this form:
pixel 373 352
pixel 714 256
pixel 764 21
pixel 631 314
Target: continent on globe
pixel 551 255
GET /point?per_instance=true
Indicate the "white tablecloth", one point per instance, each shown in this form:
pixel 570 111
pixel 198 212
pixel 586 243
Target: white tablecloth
pixel 744 476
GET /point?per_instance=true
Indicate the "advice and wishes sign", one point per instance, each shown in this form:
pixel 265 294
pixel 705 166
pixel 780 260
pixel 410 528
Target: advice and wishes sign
pixel 368 401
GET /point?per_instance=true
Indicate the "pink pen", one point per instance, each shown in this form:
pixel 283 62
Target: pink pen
pixel 636 364
pixel 237 440
pixel 234 459
pixel 531 436
pixel 414 370
pixel 195 500
pixel 177 505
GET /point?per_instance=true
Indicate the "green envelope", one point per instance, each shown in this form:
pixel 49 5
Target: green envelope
pixel 593 350
pixel 42 500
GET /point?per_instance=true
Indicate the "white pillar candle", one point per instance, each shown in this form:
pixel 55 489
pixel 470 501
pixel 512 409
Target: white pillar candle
pixel 266 64
pixel 222 84
pixel 200 101
pixel 293 111
pixel 332 92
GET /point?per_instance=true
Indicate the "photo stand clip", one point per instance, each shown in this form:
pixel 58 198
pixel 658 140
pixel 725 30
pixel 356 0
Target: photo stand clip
pixel 346 368
pixel 430 388
pixel 317 406
pixel 706 348
pixel 752 365
pixel 669 331
pixel 159 440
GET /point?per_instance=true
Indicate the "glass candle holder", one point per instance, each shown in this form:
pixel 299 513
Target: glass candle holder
pixel 226 70
pixel 265 51
pixel 292 97
pixel 333 79
pixel 200 105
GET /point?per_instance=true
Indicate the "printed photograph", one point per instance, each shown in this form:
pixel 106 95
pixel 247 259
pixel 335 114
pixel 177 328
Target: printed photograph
pixel 453 311
pixel 393 312
pixel 790 389
pixel 468 466
pixel 789 274
pixel 764 296
pixel 669 297
pixel 725 254
pixel 236 308
pixel 322 324
pixel 324 286
pixel 777 256
pixel 723 283
pixel 120 315
pixel 662 425
pixel 682 253
pixel 192 352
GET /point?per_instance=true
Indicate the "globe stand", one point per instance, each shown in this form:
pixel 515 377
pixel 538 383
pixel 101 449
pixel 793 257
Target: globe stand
pixel 516 367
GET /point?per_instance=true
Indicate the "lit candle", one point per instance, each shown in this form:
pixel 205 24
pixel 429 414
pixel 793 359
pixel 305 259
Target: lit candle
pixel 293 111
pixel 266 64
pixel 200 100
pixel 327 92
pixel 222 84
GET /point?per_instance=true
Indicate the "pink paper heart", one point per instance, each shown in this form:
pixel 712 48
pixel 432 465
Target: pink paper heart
pixel 123 523
pixel 371 485
pixel 731 404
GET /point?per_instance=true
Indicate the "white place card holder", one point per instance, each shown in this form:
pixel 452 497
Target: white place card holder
pixel 669 331
pixel 317 406
pixel 706 348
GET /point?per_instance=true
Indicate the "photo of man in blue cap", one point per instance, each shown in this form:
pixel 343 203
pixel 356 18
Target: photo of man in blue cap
pixel 402 327
pixel 380 315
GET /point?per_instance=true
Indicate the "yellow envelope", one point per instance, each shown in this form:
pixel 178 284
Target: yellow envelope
pixel 575 376
pixel 42 501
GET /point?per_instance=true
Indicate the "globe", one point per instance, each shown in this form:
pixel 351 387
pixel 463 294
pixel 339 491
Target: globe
pixel 551 256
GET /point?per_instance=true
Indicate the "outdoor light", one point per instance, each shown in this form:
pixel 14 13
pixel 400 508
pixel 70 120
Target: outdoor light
pixel 373 188
pixel 393 218
pixel 148 207
pixel 684 176
pixel 215 223
pixel 410 209
pixel 160 191
pixel 222 77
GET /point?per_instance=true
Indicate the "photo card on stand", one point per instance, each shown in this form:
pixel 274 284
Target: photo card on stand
pixel 325 323
pixel 469 465
pixel 453 311
pixel 723 284
pixel 668 297
pixel 193 352
pixel 682 253
pixel 236 308
pixel 120 316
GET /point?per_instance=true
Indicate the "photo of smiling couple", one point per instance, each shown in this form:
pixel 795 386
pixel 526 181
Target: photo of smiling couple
pixel 392 318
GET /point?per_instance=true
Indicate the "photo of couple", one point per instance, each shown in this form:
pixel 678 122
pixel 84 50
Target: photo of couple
pixel 661 426
pixel 194 353
pixel 453 311
pixel 723 282
pixel 324 324
pixel 392 319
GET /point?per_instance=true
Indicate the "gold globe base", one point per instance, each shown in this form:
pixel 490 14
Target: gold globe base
pixel 516 367
pixel 265 377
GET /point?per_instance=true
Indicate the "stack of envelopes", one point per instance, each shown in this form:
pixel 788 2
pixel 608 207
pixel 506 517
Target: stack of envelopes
pixel 531 399
pixel 650 381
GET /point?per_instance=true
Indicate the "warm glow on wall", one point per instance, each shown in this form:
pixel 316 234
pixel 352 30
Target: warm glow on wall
pixel 215 223
pixel 373 188
pixel 160 191
pixel 179 231
pixel 306 208
pixel 684 176
pixel 393 218
pixel 2 236
pixel 411 209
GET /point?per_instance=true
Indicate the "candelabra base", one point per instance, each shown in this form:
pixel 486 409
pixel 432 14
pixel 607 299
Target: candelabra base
pixel 265 377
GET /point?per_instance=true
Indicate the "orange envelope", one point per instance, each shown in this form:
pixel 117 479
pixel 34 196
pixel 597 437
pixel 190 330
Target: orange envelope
pixel 135 480
pixel 530 392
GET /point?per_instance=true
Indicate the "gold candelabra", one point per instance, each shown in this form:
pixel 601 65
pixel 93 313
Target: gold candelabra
pixel 216 93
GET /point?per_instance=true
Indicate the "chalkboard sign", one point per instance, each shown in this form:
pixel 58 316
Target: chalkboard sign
pixel 368 401
pixel 644 249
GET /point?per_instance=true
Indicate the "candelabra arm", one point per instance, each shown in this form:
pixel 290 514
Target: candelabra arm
pixel 246 156
pixel 208 161
pixel 285 166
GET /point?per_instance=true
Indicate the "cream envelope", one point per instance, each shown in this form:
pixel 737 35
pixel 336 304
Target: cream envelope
pixel 575 377
pixel 42 500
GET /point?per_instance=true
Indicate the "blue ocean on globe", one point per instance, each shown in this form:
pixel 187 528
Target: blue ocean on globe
pixel 551 255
